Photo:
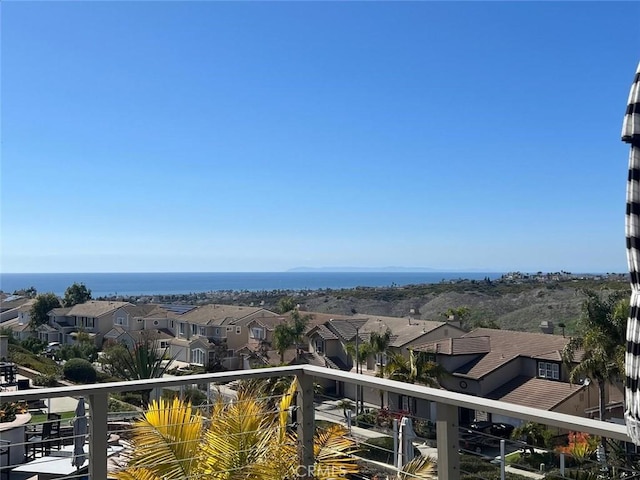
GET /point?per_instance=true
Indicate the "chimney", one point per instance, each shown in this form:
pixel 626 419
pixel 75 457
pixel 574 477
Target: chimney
pixel 547 326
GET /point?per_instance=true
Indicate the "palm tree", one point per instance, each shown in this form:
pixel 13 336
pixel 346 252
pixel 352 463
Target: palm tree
pixel 416 369
pixel 602 328
pixel 379 343
pixel 247 438
pixel 289 334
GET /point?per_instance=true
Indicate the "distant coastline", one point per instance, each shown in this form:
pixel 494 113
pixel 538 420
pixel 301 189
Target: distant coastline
pixel 132 284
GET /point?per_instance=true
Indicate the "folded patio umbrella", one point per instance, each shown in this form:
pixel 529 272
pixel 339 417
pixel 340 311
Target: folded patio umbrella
pixel 79 434
pixel 631 135
pixel 405 442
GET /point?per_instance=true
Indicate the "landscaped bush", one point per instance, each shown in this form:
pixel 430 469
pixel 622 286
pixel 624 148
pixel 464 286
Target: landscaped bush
pixel 80 371
pixel 192 395
pixel 473 468
pixel 45 380
pixel 106 378
pixel 25 358
pixel 132 398
pixel 380 450
pixel 116 405
pixel 33 344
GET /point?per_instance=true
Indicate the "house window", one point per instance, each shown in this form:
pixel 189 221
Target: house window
pixel 120 321
pixel 549 370
pixel 203 332
pixel 381 358
pixel 181 328
pixel 319 345
pixel 257 333
pixel 90 322
pixel 164 344
pixel 217 331
pixel 172 326
pixel 194 329
pixel 197 356
pixel 238 330
pixel 229 353
pixel 405 403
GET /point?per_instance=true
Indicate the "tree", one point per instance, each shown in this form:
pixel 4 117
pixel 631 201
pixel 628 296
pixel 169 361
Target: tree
pixel 75 294
pixel 247 438
pixel 379 343
pixel 84 347
pixel 145 360
pixel 290 333
pixel 601 340
pixel 416 369
pixel 30 292
pixel 45 302
pixel 533 434
pixel 286 304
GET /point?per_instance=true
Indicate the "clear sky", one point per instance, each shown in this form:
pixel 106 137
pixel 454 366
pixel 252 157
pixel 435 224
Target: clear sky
pixel 222 136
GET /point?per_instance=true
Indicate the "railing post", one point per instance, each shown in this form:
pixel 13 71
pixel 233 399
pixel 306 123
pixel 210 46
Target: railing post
pixel 306 427
pixel 98 406
pixel 448 443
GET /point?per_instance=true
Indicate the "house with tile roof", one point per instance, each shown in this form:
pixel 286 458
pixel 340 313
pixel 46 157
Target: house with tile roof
pixel 210 334
pixel 330 336
pixel 93 317
pixel 523 368
pixel 19 325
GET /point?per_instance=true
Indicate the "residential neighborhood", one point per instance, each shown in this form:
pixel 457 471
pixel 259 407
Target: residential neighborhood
pixel 523 368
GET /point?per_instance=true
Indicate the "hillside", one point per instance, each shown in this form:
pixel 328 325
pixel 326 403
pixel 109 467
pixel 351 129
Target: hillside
pixel 513 307
pixel 520 304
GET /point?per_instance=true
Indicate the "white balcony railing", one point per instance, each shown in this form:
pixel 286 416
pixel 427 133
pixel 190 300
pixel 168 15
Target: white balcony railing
pixel 447 407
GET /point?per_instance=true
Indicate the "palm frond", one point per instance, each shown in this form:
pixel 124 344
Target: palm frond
pixel 166 439
pixel 419 467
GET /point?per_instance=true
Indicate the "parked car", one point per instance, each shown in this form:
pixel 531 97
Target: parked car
pixel 502 430
pixel 480 436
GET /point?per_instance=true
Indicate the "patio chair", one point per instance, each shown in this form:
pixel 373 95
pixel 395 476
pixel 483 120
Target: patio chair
pixel 42 442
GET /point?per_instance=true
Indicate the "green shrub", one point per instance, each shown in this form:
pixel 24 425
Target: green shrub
pixel 25 358
pixel 380 450
pixel 116 405
pixel 34 345
pixel 132 398
pixel 80 371
pixel 45 380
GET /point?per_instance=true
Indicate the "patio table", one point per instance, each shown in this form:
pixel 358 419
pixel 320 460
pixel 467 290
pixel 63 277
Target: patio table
pixel 48 468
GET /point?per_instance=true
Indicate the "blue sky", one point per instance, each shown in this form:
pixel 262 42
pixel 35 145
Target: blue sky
pixel 219 136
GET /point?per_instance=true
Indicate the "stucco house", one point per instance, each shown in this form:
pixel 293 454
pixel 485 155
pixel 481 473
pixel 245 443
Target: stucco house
pixel 94 317
pixel 330 339
pixel 212 334
pixel 518 367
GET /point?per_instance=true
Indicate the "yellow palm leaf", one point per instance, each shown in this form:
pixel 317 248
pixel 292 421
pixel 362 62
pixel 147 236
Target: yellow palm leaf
pixel 166 441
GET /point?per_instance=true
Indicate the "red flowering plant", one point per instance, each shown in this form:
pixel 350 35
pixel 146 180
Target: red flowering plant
pixel 580 448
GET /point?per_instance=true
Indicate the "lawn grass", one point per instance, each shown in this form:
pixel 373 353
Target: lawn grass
pixel 42 417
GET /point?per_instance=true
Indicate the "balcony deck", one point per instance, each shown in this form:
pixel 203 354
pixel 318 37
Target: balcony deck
pixel 447 405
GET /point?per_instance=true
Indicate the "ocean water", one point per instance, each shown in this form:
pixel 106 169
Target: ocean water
pixel 103 284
